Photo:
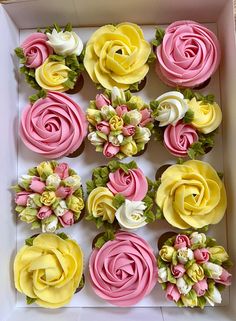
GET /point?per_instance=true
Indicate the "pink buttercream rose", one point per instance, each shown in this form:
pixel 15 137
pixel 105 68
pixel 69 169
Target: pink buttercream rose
pixel 103 127
pixel 132 185
pixel 201 255
pixel 123 270
pixel 200 287
pixel 54 126
pixel 36 49
pixel 110 150
pixel 121 110
pixel 66 219
pixel 225 278
pixel 146 117
pixel 64 192
pixel 172 292
pixel 21 198
pixel 178 270
pixel 62 170
pixel 44 212
pixel 101 100
pixel 182 241
pixel 37 186
pixel 179 138
pixel 188 55
pixel 128 130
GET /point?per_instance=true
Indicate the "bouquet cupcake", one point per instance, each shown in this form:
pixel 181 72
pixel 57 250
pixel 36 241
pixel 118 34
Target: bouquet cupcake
pixel 123 270
pixel 118 55
pixel 188 54
pixel 53 60
pixel 119 124
pixel 48 270
pixel 119 195
pixel 192 269
pixel 53 126
pixel 49 197
pixel 191 195
pixel 186 122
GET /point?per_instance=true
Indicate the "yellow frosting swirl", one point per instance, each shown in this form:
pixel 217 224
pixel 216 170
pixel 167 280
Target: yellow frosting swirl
pixel 99 204
pixel 207 117
pixel 51 75
pixel 49 271
pixel 117 55
pixel 191 195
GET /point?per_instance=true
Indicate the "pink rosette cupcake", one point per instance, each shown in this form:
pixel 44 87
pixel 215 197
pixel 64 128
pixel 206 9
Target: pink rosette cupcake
pixel 119 195
pixel 123 271
pixel 53 126
pixel 193 269
pixel 187 53
pixel 49 197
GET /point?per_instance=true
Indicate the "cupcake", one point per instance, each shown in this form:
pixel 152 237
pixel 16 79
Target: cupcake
pixel 191 195
pixel 187 53
pixel 186 122
pixel 52 61
pixel 119 124
pixel 53 126
pixel 192 270
pixel 117 55
pixel 119 195
pixel 49 197
pixel 48 269
pixel 123 271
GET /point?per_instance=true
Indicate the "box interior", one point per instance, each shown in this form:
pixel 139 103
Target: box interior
pixel 18 16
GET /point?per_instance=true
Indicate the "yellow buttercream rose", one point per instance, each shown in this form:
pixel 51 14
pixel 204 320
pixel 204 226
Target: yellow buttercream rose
pixel 129 149
pixel 117 55
pixel 116 123
pixel 195 272
pixel 49 271
pixel 207 117
pixel 51 75
pixel 48 198
pixel 99 204
pixel 166 253
pixel 76 204
pixel 191 195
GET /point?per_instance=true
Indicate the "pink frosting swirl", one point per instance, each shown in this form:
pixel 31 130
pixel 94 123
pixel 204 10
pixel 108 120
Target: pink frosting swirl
pixel 189 54
pixel 124 270
pixel 132 185
pixel 178 138
pixel 53 126
pixel 36 49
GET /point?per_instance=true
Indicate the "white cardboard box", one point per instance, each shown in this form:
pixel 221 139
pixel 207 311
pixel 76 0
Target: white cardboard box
pixel 15 16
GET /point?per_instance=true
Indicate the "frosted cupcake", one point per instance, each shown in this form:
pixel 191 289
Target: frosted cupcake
pixel 117 55
pixel 48 269
pixel 188 54
pixel 49 197
pixel 186 122
pixel 52 61
pixel 53 126
pixel 119 124
pixel 119 195
pixel 123 271
pixel 193 270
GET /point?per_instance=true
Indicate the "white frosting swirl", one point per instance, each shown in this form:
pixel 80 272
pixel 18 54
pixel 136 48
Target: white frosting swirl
pixel 65 43
pixel 130 214
pixel 172 107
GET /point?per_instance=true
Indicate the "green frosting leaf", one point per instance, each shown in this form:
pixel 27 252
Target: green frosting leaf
pixel 40 94
pixel 158 132
pixel 151 58
pixel 56 58
pixel 160 33
pixel 135 86
pixel 20 54
pixel 118 200
pixel 107 236
pixel 33 171
pixel 30 77
pixel 188 117
pixel 30 300
pixel 68 27
pixel 201 302
pixel 90 186
pixel 19 208
pixel 29 241
pixel 16 188
pixel 62 236
pixel 35 225
pixel 189 94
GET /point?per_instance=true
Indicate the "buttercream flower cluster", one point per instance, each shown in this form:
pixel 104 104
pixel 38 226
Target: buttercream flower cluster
pixel 186 122
pixel 120 124
pixel 192 269
pixel 52 60
pixel 118 196
pixel 49 197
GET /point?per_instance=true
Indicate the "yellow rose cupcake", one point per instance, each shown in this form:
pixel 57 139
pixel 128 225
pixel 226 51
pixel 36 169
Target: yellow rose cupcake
pixel 191 195
pixel 48 270
pixel 117 56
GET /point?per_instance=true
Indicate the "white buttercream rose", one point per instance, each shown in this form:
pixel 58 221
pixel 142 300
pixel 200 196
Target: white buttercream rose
pixel 172 107
pixel 197 238
pixel 130 214
pixel 49 224
pixel 65 43
pixel 61 208
pixel 162 275
pixel 183 286
pixel 184 255
pixel 142 135
pixel 73 181
pixel 95 139
pixel 116 140
pixel 213 296
pixel 117 93
pixel 53 180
